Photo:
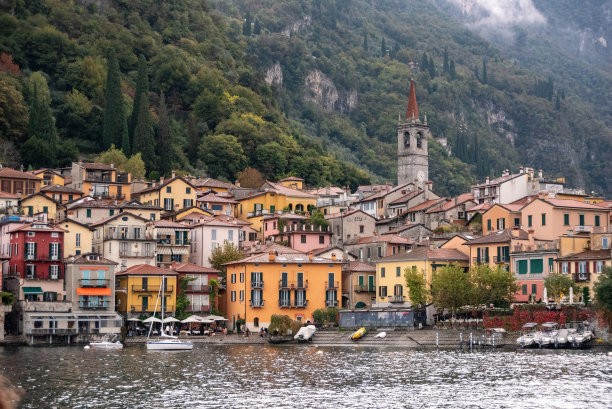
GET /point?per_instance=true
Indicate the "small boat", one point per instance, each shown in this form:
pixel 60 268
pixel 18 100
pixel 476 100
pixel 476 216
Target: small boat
pixel 527 335
pixel 106 343
pixel 561 339
pixel 492 337
pixel 381 335
pixel 358 334
pixel 580 337
pixel 305 334
pixel 547 334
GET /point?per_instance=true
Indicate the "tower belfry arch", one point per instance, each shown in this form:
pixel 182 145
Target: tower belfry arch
pixel 412 134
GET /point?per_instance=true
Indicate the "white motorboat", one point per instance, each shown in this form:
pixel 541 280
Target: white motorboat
pixel 305 334
pixel 561 338
pixel 527 337
pixel 492 337
pixel 106 343
pixel 547 334
pixel 166 342
pixel 580 336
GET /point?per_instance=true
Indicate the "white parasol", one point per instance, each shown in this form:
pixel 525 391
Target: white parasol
pixel 134 319
pixel 192 318
pixel 152 319
pixel 170 319
pixel 571 296
pixel 216 318
pixel 545 296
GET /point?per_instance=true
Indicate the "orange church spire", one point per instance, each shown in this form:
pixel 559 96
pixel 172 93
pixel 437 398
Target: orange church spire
pixel 413 109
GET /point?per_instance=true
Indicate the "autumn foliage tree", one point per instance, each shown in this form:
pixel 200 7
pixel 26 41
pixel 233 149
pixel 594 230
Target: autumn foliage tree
pixel 250 178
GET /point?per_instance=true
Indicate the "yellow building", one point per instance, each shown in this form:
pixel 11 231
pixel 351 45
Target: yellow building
pixel 101 181
pixel 213 184
pixel 77 238
pixel 173 194
pixel 293 284
pixel 292 182
pixel 179 215
pixel 501 217
pixel 41 203
pixel 390 281
pixel 494 248
pixel 273 198
pixel 49 177
pixel 139 288
pixel 61 194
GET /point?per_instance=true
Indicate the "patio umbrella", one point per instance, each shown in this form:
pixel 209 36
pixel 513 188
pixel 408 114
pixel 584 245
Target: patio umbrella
pixel 571 295
pixel 152 319
pixel 545 296
pixel 216 318
pixel 170 319
pixel 193 318
pixel 134 319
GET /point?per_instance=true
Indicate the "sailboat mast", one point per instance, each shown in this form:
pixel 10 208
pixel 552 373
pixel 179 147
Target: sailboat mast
pixel 155 309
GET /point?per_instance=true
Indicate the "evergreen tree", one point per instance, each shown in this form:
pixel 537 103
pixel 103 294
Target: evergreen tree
pixel 142 92
pixel 257 27
pixel 114 113
pixel 485 78
pixel 34 112
pixel 424 64
pixel 431 66
pixel 476 73
pixel 365 39
pixel 445 65
pixel 394 50
pixel 42 123
pixel 125 139
pixel 246 29
pixel 383 47
pixel 163 138
pixel 558 104
pixel 144 141
pixel 451 70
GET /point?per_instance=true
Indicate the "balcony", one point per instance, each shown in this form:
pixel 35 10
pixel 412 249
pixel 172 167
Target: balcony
pixel 41 257
pixel 51 331
pixel 257 284
pixel 501 260
pixel 301 304
pixel 150 308
pixel 256 304
pixel 292 284
pixel 331 303
pixel 197 289
pixel 94 282
pixel 170 242
pixel 583 229
pixel 396 298
pixel 332 285
pixel 284 304
pixel 118 235
pixel 150 289
pixel 364 289
pixel 479 260
pixel 135 254
pixel 198 308
pixel 99 306
pixel 582 276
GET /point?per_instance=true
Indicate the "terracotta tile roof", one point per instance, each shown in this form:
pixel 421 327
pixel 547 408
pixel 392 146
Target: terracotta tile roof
pixel 279 248
pixel 406 197
pixel 84 259
pixel 333 191
pixel 373 188
pixel 587 255
pixel 407 227
pixel 166 183
pixel 480 207
pixel 60 189
pixel 359 266
pixel 425 205
pixel 499 180
pixel 573 204
pixel 605 205
pixel 215 222
pixel 287 191
pixel 322 250
pixel 136 205
pixel 344 214
pixel 502 236
pixel 524 200
pixel 47 228
pixel 96 166
pixel 425 253
pixel 15 174
pixel 192 268
pixel 6 195
pixel 231 220
pixel 385 238
pixel 299 258
pixel 67 220
pixel 292 179
pixel 288 216
pixel 213 183
pixel 93 204
pixel 196 216
pixel 108 219
pixel 215 199
pixel 167 223
pixel 147 270
pixel 176 212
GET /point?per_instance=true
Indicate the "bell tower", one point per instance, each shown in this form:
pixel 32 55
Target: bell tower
pixel 412 134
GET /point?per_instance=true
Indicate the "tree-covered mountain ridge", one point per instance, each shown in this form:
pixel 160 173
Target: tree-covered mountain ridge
pixel 307 88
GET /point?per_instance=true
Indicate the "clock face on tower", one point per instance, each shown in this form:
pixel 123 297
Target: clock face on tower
pixel 420 176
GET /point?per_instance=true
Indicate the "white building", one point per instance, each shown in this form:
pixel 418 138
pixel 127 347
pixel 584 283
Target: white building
pixel 207 235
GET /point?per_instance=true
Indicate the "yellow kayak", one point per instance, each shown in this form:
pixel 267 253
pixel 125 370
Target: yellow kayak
pixel 358 334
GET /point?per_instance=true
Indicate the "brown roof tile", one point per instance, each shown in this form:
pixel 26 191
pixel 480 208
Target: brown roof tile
pixel 145 269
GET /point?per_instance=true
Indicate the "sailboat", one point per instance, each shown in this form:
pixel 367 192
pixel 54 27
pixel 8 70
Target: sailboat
pixel 166 342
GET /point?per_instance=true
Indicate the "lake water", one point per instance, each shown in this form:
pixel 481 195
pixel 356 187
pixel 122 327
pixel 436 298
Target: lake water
pixel 236 376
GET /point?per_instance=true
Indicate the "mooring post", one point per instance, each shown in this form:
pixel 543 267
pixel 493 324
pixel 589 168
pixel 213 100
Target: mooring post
pixel 471 342
pixel 437 341
pixel 461 340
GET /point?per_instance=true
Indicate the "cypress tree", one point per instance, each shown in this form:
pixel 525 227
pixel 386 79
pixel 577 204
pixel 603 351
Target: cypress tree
pixel 246 29
pixel 142 92
pixel 445 66
pixel 485 78
pixel 431 66
pixel 257 28
pixel 114 113
pixel 365 40
pixel 125 140
pixel 424 65
pixel 34 112
pixel 558 103
pixel 453 73
pixel 144 141
pixel 383 48
pixel 163 138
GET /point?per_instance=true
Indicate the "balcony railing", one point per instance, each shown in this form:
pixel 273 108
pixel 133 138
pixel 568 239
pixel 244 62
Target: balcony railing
pixel 292 284
pixel 583 229
pixel 332 285
pixel 479 260
pixel 197 308
pixel 331 303
pixel 257 284
pixel 151 288
pixel 364 289
pixel 150 308
pixel 41 257
pixel 284 303
pixel 301 304
pixel 51 331
pixel 582 276
pixel 396 298
pixel 259 304
pixel 500 260
pixel 133 254
pixel 130 235
pixel 94 282
pixel 99 306
pixel 170 242
pixel 197 288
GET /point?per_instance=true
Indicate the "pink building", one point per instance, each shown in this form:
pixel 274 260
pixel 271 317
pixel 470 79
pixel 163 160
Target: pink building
pixel 306 237
pixel 272 224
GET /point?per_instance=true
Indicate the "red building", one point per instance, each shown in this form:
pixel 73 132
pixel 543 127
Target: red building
pixel 197 289
pixel 36 259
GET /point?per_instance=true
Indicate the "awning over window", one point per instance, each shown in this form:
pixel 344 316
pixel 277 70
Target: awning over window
pixel 32 290
pixel 93 291
pixel 175 250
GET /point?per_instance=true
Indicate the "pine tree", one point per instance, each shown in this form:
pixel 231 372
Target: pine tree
pixel 125 139
pixel 163 138
pixel 144 141
pixel 485 78
pixel 365 40
pixel 451 70
pixel 383 48
pixel 424 65
pixel 431 66
pixel 246 29
pixel 114 113
pixel 142 92
pixel 257 27
pixel 445 66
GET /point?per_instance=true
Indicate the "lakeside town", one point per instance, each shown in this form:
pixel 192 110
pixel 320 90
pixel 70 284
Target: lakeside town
pixel 87 250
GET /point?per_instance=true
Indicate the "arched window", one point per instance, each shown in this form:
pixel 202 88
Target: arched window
pixel 407 139
pixel 256 322
pixel 419 139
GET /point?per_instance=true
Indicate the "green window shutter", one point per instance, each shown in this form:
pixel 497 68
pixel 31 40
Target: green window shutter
pixel 524 289
pixel 382 272
pixel 522 266
pixel 361 280
pixel 371 283
pixel 581 220
pixel 530 220
pixel 488 224
pixel 498 254
pixel 537 266
pixel 517 221
pixel 596 221
pixel 550 264
pixel 111 212
pixel 272 209
pixel 566 219
pixel 45 209
pixel 534 288
pixel 398 271
pixel 486 255
pixel 543 219
pixel 88 212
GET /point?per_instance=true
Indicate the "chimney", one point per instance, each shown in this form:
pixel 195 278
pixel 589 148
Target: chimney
pixel 173 174
pixel 161 180
pixel 540 174
pixel 333 256
pixel 530 233
pixel 271 256
pixel 487 180
pixel 515 231
pixel 310 256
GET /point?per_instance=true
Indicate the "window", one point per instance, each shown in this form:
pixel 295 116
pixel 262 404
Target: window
pixel 551 265
pixel 54 251
pixel 360 281
pixel 123 249
pixel 242 277
pixel 168 204
pixel 233 278
pixel 604 243
pixel 330 280
pixel 168 189
pixel 596 220
pixel 581 218
pixel 214 234
pixel 369 252
pixel 522 266
pixel 284 298
pixel 398 271
pixel 300 298
pixel 78 240
pixel 361 228
pixel 534 288
pixel 136 232
pixel 187 203
pixel 382 272
pixel 70 198
pixel 582 267
pixel 303 238
pixel 148 252
pixel 241 295
pixel 111 212
pixel 176 257
pixel 536 266
pixel 398 290
pixel 53 272
pixel 88 213
pixel 566 219
pixel 598 267
pixel 321 239
pixel 488 224
pixel 230 235
pixel 524 289
pixel 565 267
pixel 517 221
pixel 530 220
pixel 152 217
pixel 382 291
pixel 31 234
pixel 160 258
pixel 30 251
pixel 233 296
pixel 501 224
pixel 30 271
pixel 188 190
pixel 543 219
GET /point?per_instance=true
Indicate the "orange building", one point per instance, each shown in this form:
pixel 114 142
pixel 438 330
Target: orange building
pixel 501 217
pixel 290 283
pixel 61 194
pixel 101 180
pixel 18 183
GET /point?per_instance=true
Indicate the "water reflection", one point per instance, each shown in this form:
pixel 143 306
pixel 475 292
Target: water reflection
pixel 289 377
